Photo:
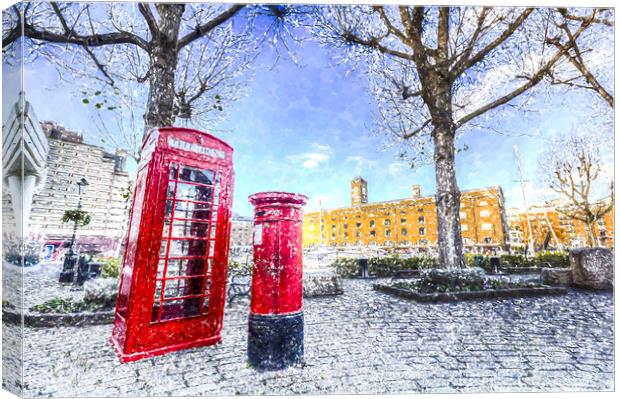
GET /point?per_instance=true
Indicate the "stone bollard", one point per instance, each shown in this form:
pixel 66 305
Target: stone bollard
pixel 592 268
pixel 276 323
pixel 560 277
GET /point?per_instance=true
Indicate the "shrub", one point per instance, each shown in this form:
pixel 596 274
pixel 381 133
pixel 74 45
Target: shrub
pixel 238 268
pixel 346 267
pixel 551 259
pixel 111 267
pixel 515 261
pixel 480 261
pixel 448 280
pixel 382 266
pixel 61 305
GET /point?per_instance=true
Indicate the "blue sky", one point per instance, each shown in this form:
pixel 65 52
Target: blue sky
pixel 308 130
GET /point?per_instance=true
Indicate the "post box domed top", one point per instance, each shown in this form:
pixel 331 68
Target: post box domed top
pixel 273 197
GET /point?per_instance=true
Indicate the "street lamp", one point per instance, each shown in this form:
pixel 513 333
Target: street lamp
pixel 68 272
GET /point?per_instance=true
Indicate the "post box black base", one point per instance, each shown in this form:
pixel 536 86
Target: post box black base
pixel 276 341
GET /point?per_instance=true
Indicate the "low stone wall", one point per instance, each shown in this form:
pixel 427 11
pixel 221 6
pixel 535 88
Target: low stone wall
pixel 321 283
pixel 58 319
pixel 592 268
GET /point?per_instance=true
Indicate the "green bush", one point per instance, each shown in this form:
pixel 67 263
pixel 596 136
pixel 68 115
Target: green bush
pixel 476 260
pixel 111 267
pixel 238 268
pixel 515 261
pixel 457 280
pixel 346 267
pixel 61 305
pixel 551 259
pixel 382 266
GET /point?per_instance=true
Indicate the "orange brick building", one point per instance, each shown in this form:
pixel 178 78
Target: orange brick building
pixel 556 230
pixel 409 222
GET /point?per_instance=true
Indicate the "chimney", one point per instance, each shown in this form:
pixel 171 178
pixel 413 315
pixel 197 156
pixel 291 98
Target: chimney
pixel 416 191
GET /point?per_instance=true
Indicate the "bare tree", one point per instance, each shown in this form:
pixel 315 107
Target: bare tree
pixel 436 70
pixel 573 168
pixel 188 54
pixel 589 56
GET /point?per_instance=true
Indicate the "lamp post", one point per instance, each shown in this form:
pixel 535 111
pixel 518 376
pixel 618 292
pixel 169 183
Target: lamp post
pixel 68 272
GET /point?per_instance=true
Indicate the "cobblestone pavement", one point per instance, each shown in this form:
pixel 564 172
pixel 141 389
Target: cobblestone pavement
pixel 359 342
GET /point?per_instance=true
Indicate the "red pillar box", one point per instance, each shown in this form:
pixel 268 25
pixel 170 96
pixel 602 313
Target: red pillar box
pixel 276 324
pixel 173 279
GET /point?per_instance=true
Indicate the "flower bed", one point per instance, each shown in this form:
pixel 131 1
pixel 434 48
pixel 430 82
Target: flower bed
pixel 471 295
pixel 437 285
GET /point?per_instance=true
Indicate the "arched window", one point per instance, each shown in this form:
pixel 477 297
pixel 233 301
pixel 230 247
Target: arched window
pixel 421 219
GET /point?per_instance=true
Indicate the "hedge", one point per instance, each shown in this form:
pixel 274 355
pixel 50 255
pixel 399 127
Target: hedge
pixel 382 266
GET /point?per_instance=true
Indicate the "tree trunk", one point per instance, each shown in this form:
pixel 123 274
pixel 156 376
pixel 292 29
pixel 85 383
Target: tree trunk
pixel 164 59
pixel 590 239
pixel 448 199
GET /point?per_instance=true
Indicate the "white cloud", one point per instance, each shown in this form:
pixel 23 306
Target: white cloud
pixel 361 164
pixel 309 160
pixel 395 168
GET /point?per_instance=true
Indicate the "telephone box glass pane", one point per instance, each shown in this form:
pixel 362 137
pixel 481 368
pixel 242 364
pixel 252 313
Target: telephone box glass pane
pixel 185 228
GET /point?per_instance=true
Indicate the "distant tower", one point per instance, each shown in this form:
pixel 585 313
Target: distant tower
pixel 359 191
pixel 416 191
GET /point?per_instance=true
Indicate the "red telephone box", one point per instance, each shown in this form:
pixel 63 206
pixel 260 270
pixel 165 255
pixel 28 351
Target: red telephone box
pixel 173 279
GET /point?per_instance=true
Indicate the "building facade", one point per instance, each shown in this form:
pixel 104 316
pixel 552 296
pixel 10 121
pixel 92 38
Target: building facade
pixel 105 199
pixel 407 223
pixel 552 229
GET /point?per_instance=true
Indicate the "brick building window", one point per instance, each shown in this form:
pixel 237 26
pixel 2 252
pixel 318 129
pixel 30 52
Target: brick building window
pixel 403 221
pixel 358 225
pixel 372 223
pixel 386 222
pixel 421 219
pixel 372 233
pixel 484 213
pixel 486 226
pixel 421 231
pixel 403 232
pixel 388 233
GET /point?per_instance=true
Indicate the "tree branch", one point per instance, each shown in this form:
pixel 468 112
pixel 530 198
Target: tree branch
pixel 464 64
pixel 203 29
pixel 374 44
pixel 532 81
pixel 145 10
pixel 579 63
pixel 95 40
pixel 567 15
pixel 15 32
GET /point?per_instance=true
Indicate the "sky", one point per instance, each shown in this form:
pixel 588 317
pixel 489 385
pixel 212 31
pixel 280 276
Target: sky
pixel 307 129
